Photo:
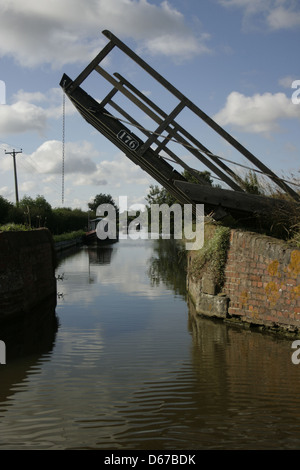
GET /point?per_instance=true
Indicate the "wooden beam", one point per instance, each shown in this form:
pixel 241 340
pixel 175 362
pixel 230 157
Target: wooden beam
pixel 231 200
pixel 89 68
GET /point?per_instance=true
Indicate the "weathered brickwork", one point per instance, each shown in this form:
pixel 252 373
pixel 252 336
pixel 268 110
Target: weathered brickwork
pixel 27 270
pixel 263 280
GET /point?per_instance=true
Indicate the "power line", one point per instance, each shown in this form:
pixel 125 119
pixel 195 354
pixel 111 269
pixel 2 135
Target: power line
pixel 63 149
pixel 7 144
pixel 28 167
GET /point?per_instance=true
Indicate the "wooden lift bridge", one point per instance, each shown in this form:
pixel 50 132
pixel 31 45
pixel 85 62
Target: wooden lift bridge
pixel 152 150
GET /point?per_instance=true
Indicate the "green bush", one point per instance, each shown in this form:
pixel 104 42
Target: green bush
pixel 68 236
pixel 14 228
pixel 212 257
pixel 295 239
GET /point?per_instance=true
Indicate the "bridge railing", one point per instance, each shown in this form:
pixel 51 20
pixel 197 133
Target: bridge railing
pixel 167 130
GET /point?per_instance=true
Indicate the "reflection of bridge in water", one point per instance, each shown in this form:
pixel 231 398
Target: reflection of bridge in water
pixel 158 155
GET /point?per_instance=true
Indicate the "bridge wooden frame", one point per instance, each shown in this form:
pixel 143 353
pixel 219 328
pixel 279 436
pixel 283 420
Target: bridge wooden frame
pixel 142 152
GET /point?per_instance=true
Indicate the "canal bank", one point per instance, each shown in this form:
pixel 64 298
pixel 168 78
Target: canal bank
pixel 27 271
pixel 67 244
pixel 246 278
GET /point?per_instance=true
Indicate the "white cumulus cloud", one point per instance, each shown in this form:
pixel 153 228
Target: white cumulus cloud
pixel 22 117
pixel 59 32
pixel 30 111
pixel 284 18
pixel 110 171
pixel 286 82
pixel 257 113
pixel 275 14
pixel 47 159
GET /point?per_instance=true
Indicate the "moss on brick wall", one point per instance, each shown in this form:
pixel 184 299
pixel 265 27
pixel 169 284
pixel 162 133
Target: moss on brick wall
pixel 211 258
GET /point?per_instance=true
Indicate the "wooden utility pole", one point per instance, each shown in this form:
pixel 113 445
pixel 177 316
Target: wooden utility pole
pixel 13 154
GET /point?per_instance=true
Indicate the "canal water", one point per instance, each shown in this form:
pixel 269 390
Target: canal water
pixel 128 365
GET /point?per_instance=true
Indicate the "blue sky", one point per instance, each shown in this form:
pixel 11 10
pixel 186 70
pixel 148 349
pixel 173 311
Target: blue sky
pixel 235 59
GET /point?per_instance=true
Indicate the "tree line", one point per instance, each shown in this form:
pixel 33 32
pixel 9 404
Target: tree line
pixel 38 212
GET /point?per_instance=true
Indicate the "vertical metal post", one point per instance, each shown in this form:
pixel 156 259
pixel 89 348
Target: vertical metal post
pixel 14 153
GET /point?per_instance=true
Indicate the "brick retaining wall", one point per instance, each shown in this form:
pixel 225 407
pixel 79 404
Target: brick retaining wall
pixel 27 270
pixel 263 280
pixel 262 283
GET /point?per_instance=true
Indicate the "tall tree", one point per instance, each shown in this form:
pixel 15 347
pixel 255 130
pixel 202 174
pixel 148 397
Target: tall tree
pixel 204 175
pixel 101 199
pixel 5 207
pixel 159 195
pixel 37 211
